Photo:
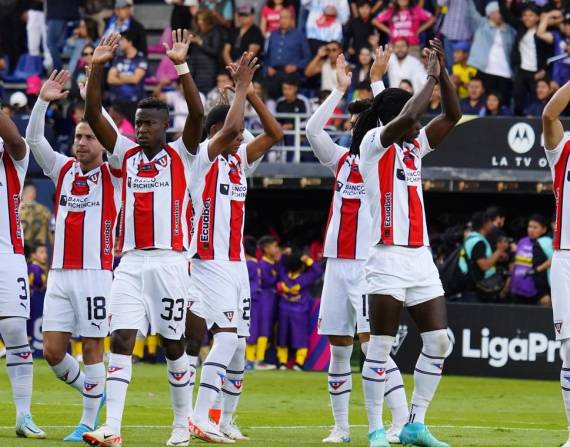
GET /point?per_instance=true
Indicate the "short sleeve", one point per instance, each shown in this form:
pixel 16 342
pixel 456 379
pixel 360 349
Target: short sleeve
pixel 200 162
pixel 478 251
pixel 422 14
pixel 248 168
pixel 371 148
pixel 385 15
pixel 142 64
pixel 425 147
pixel 122 145
pixel 553 155
pixel 20 165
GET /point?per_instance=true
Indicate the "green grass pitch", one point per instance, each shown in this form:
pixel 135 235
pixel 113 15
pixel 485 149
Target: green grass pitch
pixel 285 408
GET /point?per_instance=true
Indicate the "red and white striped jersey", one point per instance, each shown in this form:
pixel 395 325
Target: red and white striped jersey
pixel 349 225
pixel 12 175
pixel 86 210
pixel 393 180
pixel 218 195
pixel 154 196
pixel 558 161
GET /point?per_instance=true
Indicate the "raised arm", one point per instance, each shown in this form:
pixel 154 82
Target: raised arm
pixel 414 108
pixel 542 31
pixel 192 133
pixel 316 65
pixel 552 126
pixel 441 125
pixel 52 90
pixel 234 120
pixel 104 53
pixel 473 15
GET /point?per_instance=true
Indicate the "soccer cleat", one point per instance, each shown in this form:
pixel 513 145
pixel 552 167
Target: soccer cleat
pixel 232 431
pixel 26 428
pixel 393 434
pixel 208 432
pixel 77 434
pixel 104 436
pixel 283 367
pixel 262 366
pixel 180 437
pixel 377 438
pixel 337 436
pixel 298 367
pixel 417 434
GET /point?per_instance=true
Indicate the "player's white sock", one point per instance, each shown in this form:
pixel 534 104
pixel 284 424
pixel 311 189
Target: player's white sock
pixel 119 374
pixel 427 373
pixel 93 388
pixel 192 363
pixel 69 371
pixel 179 379
pixel 214 373
pixel 364 347
pixel 395 393
pixel 340 384
pixel 233 385
pixel 565 376
pixel 19 362
pixel 374 378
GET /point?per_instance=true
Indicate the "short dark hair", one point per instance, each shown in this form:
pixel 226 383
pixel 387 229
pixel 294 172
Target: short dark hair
pixel 479 219
pixel 264 241
pixel 363 85
pixel 36 246
pixel 361 3
pixel 29 182
pixel 496 211
pixel 130 35
pixel 539 218
pixel 359 106
pixel 291 80
pixel 216 115
pixel 293 262
pixel 250 246
pixel 152 103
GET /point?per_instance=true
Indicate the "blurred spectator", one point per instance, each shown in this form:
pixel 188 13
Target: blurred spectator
pixel 182 14
pixel 125 127
pixel 58 14
pixel 251 117
pixel 498 218
pixel 434 107
pixel 325 21
pixel 361 73
pixel 34 216
pixel 324 63
pixel 529 282
pixel 123 20
pixel 126 75
pixel 36 31
pixel 288 53
pixel 85 33
pixel 455 28
pixel 359 29
pixel 79 75
pixel 405 66
pixel 404 20
pixel 12 30
pixel 99 10
pixel 461 73
pixel 271 15
pixel 543 94
pixel 176 101
pixel 491 48
pixel 475 100
pixel 207 44
pixel 222 10
pixel 406 84
pixel 37 269
pixel 245 37
pixel 291 102
pixel 529 53
pixel 494 106
pixel 361 91
pixel 559 37
pixel 213 98
pixel 20 111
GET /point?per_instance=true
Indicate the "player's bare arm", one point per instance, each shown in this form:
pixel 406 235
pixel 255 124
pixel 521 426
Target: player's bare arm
pixel 553 129
pixel 233 124
pixel 414 108
pixel 103 54
pixel 13 141
pixel 192 133
pixel 441 125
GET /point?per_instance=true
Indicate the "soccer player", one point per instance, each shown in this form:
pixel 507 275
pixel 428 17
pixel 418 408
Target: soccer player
pixel 87 203
pixel 14 288
pixel 557 145
pixel 219 272
pixel 150 286
pixel 348 238
pixel 400 268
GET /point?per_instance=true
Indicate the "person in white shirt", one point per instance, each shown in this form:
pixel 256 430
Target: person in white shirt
pixel 325 21
pixel 405 66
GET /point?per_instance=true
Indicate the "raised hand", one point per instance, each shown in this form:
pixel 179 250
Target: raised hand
pixel 105 51
pixel 245 71
pixel 54 88
pixel 83 85
pixel 433 67
pixel 436 46
pixel 343 77
pixel 381 62
pixel 181 40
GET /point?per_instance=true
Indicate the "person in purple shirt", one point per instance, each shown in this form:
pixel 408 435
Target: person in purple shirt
pixel 37 278
pixel 297 275
pixel 250 248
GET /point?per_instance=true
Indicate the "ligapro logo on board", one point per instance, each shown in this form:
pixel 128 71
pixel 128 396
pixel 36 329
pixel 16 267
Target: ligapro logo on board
pixel 521 138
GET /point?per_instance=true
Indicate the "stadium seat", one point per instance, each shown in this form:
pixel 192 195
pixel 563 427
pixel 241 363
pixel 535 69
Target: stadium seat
pixel 165 70
pixel 27 65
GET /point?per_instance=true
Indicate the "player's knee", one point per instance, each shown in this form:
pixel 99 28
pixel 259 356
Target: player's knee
pixel 123 341
pixel 340 340
pixel 53 354
pixel 436 343
pixel 173 349
pixel 193 346
pixel 92 350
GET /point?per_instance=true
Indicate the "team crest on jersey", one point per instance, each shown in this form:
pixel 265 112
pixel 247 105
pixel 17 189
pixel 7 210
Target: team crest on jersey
pixel 229 315
pixel 558 327
pixel 336 384
pixel 147 169
pixel 237 383
pixel 24 355
pixel 409 159
pixel 162 161
pixel 94 177
pixel 355 176
pixel 113 369
pixel 177 375
pixel 379 371
pixel 80 187
pixel 89 386
pixel 234 174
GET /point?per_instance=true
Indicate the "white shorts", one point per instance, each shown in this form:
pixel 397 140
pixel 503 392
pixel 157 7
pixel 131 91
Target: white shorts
pixel 344 305
pixel 407 274
pixel 560 291
pixel 14 287
pixel 149 293
pixel 77 301
pixel 219 293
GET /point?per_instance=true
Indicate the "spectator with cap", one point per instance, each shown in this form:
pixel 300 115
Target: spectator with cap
pixel 288 54
pixel 455 27
pixel 405 66
pixel 359 30
pixel 461 72
pixel 245 37
pixel 491 49
pixel 20 111
pixel 475 100
pixel 528 59
pixel 324 64
pixel 58 14
pixel 123 20
pixel 559 36
pixel 325 21
pixel 542 96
